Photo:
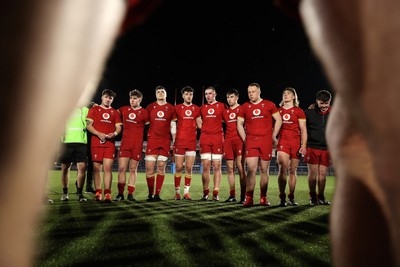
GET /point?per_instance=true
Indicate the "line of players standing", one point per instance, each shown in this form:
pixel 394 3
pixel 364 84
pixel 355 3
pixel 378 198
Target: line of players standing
pixel 252 130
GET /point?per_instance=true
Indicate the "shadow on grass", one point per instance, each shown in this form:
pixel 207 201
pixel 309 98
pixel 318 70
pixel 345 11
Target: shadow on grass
pixel 183 233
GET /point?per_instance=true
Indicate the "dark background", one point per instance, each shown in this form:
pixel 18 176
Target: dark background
pixel 226 44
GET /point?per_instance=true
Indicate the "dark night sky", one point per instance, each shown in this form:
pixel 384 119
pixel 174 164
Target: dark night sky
pixel 227 44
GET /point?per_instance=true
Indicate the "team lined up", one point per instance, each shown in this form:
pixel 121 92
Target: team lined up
pixel 252 130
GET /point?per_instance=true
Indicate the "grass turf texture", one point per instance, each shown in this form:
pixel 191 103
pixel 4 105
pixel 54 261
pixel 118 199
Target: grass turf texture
pixel 183 233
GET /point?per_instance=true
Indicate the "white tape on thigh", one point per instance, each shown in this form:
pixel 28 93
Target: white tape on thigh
pixel 216 156
pixel 206 156
pixel 150 158
pixel 162 158
pixel 190 153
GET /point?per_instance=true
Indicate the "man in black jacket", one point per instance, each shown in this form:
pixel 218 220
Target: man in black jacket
pixel 317 156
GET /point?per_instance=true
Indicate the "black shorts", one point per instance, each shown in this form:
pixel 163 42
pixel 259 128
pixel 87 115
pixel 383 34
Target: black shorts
pixel 73 153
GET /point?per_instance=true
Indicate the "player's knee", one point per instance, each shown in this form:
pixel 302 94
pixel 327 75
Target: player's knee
pixel 121 169
pixel 292 171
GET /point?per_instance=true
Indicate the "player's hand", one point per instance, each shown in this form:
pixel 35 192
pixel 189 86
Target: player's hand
pixel 102 137
pixel 303 151
pixel 274 142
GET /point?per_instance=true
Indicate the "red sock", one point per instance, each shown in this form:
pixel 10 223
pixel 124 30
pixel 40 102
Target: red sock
pixel 121 188
pixel 206 191
pixel 215 191
pixel 159 183
pixel 250 194
pixel 188 180
pixel 150 184
pixel 232 192
pixel 99 191
pixel 107 191
pixel 263 192
pixel 177 180
pixel 131 189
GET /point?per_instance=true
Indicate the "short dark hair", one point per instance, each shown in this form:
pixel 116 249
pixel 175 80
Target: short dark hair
pixel 232 92
pixel 211 88
pixel 323 95
pixel 187 89
pixel 160 87
pixel 136 93
pixel 255 85
pixel 108 92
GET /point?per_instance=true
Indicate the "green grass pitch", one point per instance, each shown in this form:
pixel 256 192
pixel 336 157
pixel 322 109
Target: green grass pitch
pixel 183 233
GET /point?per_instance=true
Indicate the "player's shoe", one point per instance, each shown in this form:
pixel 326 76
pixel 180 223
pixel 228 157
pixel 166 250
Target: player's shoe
pixel 64 197
pixel 248 202
pixel 157 198
pixel 313 201
pixel 231 199
pixel 119 197
pixel 323 202
pixel 49 200
pixel 264 202
pixel 291 202
pixel 130 197
pixel 241 200
pixel 204 198
pixel 150 198
pixel 187 196
pixel 107 198
pixel 97 197
pixel 81 198
pixel 215 197
pixel 283 203
pixel 177 196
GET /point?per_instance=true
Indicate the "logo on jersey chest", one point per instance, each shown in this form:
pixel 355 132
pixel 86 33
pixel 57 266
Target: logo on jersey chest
pixel 160 114
pixel 132 116
pixel 286 117
pixel 106 116
pixel 211 111
pixel 256 112
pixel 232 115
pixel 188 113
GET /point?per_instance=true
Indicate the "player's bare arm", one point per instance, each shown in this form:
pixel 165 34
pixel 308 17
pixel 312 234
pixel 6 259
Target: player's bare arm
pixel 304 137
pixel 240 128
pixel 199 122
pixel 277 127
pixel 92 130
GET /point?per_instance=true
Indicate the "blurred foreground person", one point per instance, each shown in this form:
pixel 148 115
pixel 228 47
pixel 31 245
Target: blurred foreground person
pixel 358 44
pixel 48 55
